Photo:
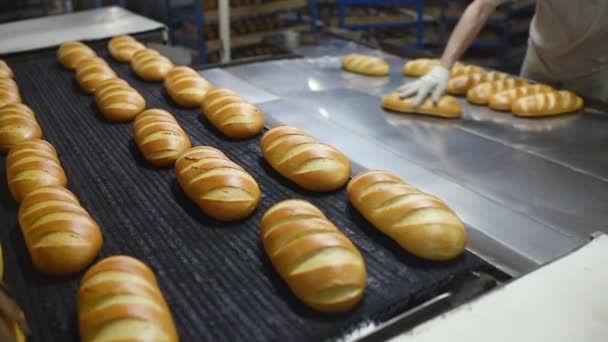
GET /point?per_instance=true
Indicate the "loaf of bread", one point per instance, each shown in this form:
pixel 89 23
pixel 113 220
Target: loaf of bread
pixel 319 263
pixel 119 300
pixel 90 73
pixel 59 233
pixel 150 65
pixel 420 223
pixel 186 87
pixel 366 65
pixel 17 124
pixel 11 317
pixel 459 85
pixel 466 70
pixel 547 104
pixel 446 107
pixel 30 165
pixel 503 100
pixel 122 48
pixel 71 53
pixel 419 67
pixel 5 70
pixel 159 137
pixel 118 101
pixel 231 114
pixel 481 93
pixel 219 186
pixel 304 160
pixel 9 92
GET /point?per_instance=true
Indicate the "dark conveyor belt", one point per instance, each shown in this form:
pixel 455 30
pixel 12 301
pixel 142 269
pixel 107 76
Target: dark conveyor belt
pixel 216 277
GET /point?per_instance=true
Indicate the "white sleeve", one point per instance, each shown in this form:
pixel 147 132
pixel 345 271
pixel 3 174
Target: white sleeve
pixel 497 2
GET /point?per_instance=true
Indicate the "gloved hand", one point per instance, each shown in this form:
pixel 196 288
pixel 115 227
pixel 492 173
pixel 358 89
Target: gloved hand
pixel 434 83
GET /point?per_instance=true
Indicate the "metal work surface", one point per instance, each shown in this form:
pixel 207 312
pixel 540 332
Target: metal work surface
pixel 102 23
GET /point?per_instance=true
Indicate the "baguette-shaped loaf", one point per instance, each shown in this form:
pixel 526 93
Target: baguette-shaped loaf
pixel 59 233
pixel 231 114
pixel 122 48
pixel 466 70
pixel 71 53
pixel 90 73
pixel 483 92
pixel 30 165
pixel 9 92
pixel 159 137
pixel 9 318
pixel 17 124
pixel 504 100
pixel 186 87
pixel 366 65
pixel 150 65
pixel 459 85
pixel 118 101
pixel 446 107
pixel 5 70
pixel 546 104
pixel 219 186
pixel 319 263
pixel 419 67
pixel 420 223
pixel 119 300
pixel 304 160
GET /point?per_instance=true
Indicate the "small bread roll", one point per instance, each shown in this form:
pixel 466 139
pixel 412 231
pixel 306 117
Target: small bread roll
pixel 304 160
pixel 91 72
pixel 366 65
pixel 150 66
pixel 459 85
pixel 504 99
pixel 186 87
pixel 71 53
pixel 482 93
pixel 466 70
pixel 61 236
pixel 118 101
pixel 119 300
pixel 159 137
pixel 421 223
pixel 232 115
pixel 219 186
pixel 30 165
pixel 5 70
pixel 548 104
pixel 17 124
pixel 446 107
pixel 9 92
pixel 319 263
pixel 122 48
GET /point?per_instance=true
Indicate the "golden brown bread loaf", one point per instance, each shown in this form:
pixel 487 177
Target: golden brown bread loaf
pixel 304 160
pixel 71 53
pixel 186 87
pixel 30 165
pixel 466 70
pixel 319 263
pixel 419 67
pixel 231 114
pixel 503 100
pixel 90 73
pixel 5 70
pixel 9 92
pixel 481 93
pixel 546 104
pixel 446 107
pixel 119 300
pixel 366 65
pixel 461 84
pixel 122 48
pixel 59 233
pixel 150 65
pixel 219 186
pixel 17 124
pixel 421 223
pixel 118 101
pixel 159 137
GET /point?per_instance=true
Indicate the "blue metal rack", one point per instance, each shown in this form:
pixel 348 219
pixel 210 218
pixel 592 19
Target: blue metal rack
pixel 99 3
pixel 418 23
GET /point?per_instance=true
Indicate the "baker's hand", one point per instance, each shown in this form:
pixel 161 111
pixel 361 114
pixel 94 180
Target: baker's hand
pixel 434 83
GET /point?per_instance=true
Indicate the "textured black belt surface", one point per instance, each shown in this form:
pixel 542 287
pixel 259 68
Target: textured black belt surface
pixel 215 276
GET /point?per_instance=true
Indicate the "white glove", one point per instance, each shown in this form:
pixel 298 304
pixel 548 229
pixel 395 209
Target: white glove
pixel 435 82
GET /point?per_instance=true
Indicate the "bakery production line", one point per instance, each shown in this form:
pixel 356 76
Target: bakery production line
pixel 533 194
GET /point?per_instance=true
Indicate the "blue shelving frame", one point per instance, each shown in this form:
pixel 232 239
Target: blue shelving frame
pixel 99 3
